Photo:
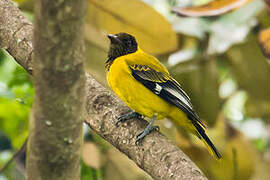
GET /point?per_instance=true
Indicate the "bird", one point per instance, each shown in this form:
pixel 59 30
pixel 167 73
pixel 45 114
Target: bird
pixel 147 87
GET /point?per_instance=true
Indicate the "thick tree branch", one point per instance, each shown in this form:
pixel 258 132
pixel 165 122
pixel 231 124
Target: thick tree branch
pixel 157 155
pixel 55 128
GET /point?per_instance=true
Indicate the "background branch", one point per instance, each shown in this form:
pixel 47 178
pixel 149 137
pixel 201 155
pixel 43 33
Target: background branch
pixel 157 156
pixel 17 154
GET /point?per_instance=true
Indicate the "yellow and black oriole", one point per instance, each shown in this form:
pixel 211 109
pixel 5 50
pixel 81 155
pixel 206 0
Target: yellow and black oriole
pixel 146 86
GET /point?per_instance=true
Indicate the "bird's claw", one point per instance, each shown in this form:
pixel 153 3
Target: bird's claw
pixel 120 119
pixel 156 128
pixel 127 117
pixel 144 133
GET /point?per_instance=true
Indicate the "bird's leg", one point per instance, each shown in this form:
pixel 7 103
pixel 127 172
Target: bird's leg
pixel 127 117
pixel 147 130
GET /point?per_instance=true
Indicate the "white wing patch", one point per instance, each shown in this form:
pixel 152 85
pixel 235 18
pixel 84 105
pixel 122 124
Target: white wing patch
pixel 179 96
pixel 158 88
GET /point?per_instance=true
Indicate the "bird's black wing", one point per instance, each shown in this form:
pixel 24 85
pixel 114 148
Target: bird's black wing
pixel 164 86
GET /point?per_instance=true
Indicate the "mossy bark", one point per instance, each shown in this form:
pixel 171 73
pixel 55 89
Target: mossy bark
pixel 55 134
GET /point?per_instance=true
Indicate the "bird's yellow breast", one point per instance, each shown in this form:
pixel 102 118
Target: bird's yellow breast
pixel 132 92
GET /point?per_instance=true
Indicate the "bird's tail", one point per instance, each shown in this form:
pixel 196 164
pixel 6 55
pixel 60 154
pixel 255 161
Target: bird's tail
pixel 194 126
pixel 208 143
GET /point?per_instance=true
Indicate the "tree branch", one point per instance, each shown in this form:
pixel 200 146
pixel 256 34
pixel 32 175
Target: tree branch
pixel 55 128
pixel 156 155
pixel 17 154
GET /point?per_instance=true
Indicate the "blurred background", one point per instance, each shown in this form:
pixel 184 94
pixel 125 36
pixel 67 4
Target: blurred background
pixel 217 50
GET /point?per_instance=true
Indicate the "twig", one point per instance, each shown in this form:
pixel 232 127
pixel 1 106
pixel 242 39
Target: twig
pixel 235 164
pixel 16 155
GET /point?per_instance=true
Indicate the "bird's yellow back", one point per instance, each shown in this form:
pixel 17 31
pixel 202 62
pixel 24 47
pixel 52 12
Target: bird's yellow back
pixel 143 58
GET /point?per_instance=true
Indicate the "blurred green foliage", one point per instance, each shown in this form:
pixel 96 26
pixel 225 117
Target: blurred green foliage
pixel 89 173
pixel 16 98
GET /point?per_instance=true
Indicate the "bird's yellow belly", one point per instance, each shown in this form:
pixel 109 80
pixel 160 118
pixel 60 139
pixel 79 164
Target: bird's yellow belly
pixel 136 95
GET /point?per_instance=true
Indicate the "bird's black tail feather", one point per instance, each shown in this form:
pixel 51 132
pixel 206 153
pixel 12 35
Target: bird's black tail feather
pixel 210 146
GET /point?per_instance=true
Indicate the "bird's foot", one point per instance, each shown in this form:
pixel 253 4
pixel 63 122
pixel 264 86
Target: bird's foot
pixel 128 116
pixel 144 133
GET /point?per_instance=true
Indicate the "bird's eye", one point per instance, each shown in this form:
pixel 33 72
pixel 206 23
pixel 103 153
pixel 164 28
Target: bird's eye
pixel 127 42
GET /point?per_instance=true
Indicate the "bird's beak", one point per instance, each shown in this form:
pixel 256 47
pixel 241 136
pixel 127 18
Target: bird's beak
pixel 113 38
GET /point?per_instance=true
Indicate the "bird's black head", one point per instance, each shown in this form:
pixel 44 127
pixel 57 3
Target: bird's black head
pixel 121 44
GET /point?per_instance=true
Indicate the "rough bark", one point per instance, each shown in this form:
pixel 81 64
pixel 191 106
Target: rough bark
pixel 156 155
pixel 55 132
